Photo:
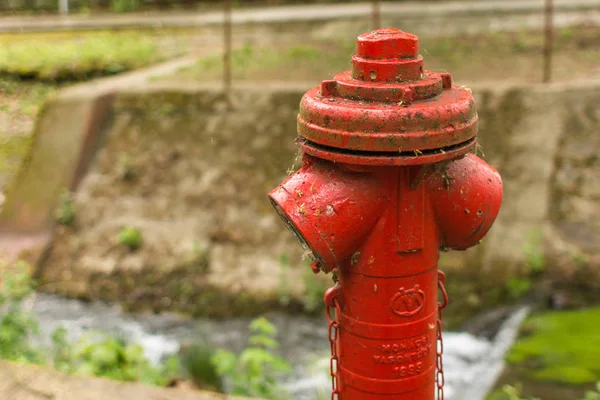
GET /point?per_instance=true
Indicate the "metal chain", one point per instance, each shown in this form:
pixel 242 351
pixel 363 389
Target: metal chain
pixel 333 339
pixel 440 342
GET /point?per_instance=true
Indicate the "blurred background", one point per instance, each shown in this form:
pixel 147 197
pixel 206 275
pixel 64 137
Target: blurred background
pixel 138 141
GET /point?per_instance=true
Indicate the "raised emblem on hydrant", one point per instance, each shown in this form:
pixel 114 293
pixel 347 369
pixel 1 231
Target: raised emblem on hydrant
pixel 387 180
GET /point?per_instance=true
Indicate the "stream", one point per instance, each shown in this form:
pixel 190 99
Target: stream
pixel 472 363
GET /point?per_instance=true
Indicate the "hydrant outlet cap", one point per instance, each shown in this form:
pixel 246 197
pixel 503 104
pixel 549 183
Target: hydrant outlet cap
pixel 387 43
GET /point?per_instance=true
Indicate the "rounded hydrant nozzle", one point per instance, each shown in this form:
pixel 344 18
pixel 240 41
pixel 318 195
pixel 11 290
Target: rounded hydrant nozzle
pixel 329 208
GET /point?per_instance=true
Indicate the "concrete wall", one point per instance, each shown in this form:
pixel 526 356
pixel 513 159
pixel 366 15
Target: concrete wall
pixel 212 244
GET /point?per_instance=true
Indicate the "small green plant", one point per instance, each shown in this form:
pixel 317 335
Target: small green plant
pixel 126 168
pixel 517 287
pixel 253 372
pixel 509 392
pixel 122 6
pixel 96 354
pixel 534 254
pixel 130 237
pixel 65 214
pixel 196 361
pixel 16 324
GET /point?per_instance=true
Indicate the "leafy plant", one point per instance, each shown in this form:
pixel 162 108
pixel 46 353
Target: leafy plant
pixel 16 325
pixel 95 354
pixel 508 392
pixel 122 6
pixel 543 354
pixel 517 287
pixel 197 362
pixel 253 372
pixel 51 58
pixel 65 215
pixel 130 237
pixel 534 255
pixel 126 168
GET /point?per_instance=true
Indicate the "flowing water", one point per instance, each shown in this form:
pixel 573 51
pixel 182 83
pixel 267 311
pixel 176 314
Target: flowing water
pixel 472 363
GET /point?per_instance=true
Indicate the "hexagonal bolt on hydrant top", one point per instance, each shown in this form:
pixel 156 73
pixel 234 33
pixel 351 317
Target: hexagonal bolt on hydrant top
pixel 387 180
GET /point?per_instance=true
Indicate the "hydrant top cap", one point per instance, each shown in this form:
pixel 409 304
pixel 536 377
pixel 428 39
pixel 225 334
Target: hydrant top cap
pixel 388 110
pixel 387 43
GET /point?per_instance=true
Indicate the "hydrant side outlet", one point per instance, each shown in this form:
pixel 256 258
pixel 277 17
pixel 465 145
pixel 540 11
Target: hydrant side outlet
pixel 386 182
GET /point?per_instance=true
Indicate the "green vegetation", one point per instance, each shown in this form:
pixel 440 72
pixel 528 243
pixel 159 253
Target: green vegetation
pixel 122 6
pixel 65 215
pixel 517 287
pixel 253 372
pixel 130 237
pixel 76 57
pixel 16 325
pixel 197 362
pixel 534 253
pixel 97 354
pixel 561 347
pixel 94 355
pixel 491 56
pixel 126 168
pixel 508 392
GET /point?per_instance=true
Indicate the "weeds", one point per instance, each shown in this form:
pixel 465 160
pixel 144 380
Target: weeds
pixel 534 254
pixel 94 355
pixel 75 58
pixel 130 237
pixel 65 215
pixel 253 372
pixel 509 392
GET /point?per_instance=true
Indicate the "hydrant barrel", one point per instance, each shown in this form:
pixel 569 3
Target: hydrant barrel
pixel 387 181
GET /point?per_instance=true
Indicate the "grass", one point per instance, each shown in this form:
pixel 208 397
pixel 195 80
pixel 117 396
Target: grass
pixel 493 56
pixel 33 66
pixel 53 57
pixel 562 347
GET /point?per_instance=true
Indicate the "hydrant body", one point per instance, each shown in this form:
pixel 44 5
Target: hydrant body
pixel 386 183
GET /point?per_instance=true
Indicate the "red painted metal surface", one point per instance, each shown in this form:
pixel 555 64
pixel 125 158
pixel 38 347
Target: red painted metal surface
pixel 384 185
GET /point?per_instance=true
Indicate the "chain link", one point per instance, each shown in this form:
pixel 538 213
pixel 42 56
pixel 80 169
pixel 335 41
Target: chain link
pixel 440 342
pixel 333 339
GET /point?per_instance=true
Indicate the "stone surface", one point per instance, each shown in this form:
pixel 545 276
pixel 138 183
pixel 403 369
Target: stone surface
pixel 25 382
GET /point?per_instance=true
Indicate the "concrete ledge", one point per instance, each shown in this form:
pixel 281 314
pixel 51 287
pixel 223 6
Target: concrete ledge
pixel 26 382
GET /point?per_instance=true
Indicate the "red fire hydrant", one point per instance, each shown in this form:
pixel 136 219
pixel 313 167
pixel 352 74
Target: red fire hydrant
pixel 387 182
